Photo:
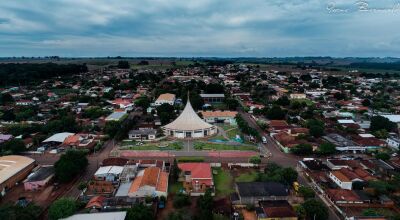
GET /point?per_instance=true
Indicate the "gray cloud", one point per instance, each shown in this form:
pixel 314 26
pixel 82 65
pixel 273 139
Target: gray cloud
pixel 196 28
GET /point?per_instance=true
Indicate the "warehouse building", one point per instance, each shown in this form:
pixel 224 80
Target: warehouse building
pixel 14 169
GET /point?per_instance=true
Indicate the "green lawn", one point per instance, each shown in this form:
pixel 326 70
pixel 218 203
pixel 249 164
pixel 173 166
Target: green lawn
pixel 217 146
pixel 190 159
pixel 232 133
pixel 175 187
pixel 227 126
pixel 247 177
pixel 223 182
pixel 131 145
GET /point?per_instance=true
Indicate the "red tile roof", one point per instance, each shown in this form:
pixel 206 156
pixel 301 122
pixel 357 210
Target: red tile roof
pixel 343 195
pixel 198 170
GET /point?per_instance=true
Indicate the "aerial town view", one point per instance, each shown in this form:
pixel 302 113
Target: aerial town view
pixel 203 110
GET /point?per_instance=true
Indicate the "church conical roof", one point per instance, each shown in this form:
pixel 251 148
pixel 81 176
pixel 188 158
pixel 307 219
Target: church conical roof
pixel 188 120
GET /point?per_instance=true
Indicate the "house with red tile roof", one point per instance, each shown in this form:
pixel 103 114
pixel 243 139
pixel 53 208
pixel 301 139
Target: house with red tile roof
pixel 278 125
pixel 197 177
pixel 152 181
pixel 345 177
pixel 343 196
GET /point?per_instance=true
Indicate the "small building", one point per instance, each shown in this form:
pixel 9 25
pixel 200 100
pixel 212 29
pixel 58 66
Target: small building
pixel 142 134
pixel 166 98
pixel 108 173
pixel 252 192
pixel 116 116
pixel 220 117
pixel 58 138
pixel 5 137
pixel 275 210
pixel 393 143
pixel 212 98
pixel 298 96
pixel 197 178
pixel 81 141
pixel 14 169
pixel 39 178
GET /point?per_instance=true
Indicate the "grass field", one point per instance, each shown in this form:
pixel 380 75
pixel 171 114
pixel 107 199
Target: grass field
pixel 247 177
pixel 131 145
pixel 174 187
pixel 232 133
pixel 216 146
pixel 223 182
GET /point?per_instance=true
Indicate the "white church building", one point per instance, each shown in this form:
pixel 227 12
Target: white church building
pixel 189 125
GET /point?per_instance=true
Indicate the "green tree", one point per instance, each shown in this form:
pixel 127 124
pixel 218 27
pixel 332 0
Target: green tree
pixel 175 171
pixel 181 200
pixel 326 149
pixel 316 127
pixel 16 212
pixel 370 212
pixel 122 64
pixel 6 98
pixel 315 210
pixel 14 146
pixel 283 101
pixel 380 123
pixel 205 205
pixel 62 208
pixel 70 164
pixel 302 149
pixel 166 112
pixel 255 160
pixel 276 113
pixel 306 192
pixel 289 175
pixel 382 156
pixel 112 128
pixel 139 212
pixel 143 102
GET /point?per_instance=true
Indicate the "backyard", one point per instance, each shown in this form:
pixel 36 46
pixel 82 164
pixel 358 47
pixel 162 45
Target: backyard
pixel 223 182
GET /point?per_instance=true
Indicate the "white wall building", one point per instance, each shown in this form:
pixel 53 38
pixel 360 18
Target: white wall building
pixel 189 125
pixel 166 98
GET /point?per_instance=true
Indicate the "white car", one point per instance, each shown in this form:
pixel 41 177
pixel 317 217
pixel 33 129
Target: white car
pixel 264 139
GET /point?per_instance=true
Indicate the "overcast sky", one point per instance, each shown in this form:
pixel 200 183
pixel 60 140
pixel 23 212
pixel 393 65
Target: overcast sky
pixel 225 28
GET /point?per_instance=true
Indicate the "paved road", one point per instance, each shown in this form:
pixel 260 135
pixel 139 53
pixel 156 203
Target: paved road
pixel 94 160
pixel 283 159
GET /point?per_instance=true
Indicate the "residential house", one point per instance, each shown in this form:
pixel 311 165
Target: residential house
pixel 343 196
pixel 275 210
pixel 252 192
pixel 151 181
pixel 393 143
pixel 345 177
pixel 197 178
pixel 220 117
pixel 212 98
pixel 142 134
pixel 166 98
pixel 40 178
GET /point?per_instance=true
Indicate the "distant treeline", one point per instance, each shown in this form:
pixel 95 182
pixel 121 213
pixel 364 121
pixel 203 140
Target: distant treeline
pixel 22 73
pixel 378 66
